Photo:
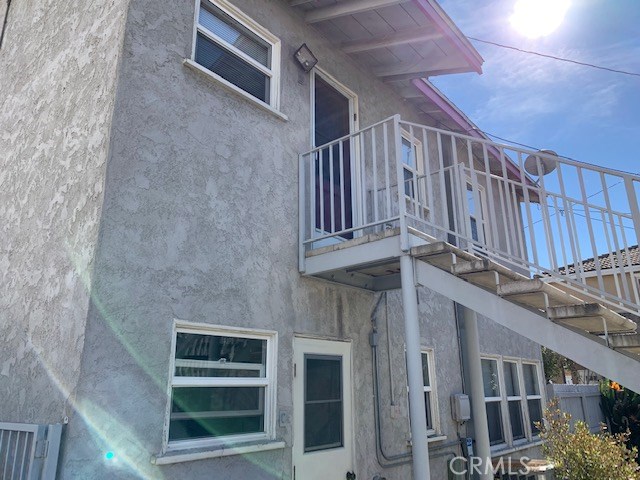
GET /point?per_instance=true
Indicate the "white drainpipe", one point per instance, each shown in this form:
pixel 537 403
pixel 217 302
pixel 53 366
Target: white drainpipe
pixel 417 414
pixel 476 390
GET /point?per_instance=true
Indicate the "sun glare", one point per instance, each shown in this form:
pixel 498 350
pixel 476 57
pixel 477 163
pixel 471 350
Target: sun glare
pixel 538 18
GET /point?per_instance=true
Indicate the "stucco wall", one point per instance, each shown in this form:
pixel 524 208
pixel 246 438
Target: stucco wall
pixel 57 76
pixel 199 223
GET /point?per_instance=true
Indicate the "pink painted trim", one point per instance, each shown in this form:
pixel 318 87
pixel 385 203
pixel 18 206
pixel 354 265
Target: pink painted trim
pixel 444 24
pixel 469 129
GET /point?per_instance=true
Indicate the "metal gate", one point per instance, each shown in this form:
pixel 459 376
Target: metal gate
pixel 29 452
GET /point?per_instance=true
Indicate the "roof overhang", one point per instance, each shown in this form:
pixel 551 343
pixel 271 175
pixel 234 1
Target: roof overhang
pixel 395 39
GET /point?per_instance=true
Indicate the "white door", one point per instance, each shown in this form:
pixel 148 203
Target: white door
pixel 322 428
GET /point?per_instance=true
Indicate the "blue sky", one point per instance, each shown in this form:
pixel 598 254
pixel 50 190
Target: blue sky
pixel 583 113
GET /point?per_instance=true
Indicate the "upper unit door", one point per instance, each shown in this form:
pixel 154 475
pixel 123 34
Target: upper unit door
pixel 322 431
pixel 333 111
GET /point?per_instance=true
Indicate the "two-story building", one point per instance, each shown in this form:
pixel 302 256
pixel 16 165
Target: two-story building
pixel 249 239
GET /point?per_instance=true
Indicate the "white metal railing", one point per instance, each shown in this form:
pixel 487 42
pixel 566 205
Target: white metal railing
pixel 29 452
pixel 535 212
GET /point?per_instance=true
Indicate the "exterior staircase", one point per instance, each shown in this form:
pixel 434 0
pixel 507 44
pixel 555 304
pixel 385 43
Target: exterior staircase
pixel 589 327
pixel 543 245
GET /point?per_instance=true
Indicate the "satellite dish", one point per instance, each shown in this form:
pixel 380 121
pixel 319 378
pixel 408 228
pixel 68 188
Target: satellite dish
pixel 547 165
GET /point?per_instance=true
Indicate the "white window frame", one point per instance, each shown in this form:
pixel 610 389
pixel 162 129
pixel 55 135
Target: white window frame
pixel 480 201
pixel 433 393
pixel 419 200
pixel 243 19
pixel 268 382
pixel 435 431
pixel 498 399
pixel 540 396
pixel 520 398
pixel 507 431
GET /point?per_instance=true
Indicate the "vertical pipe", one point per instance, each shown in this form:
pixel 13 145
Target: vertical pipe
pixel 417 412
pixel 476 391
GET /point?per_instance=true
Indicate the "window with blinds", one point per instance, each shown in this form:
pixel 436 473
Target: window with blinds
pixel 237 50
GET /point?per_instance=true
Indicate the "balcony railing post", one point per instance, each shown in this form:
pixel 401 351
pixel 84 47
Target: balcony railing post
pixel 302 197
pixel 633 204
pixel 402 206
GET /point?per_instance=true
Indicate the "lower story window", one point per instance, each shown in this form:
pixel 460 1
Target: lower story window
pixel 513 399
pixel 221 387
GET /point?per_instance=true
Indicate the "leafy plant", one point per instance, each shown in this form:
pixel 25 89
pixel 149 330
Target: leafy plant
pixel 621 409
pixel 579 454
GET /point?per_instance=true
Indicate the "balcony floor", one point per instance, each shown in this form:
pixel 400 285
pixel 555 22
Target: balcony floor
pixel 371 261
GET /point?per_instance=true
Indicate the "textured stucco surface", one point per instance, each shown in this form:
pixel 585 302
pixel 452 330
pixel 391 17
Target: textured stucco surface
pixel 199 223
pixel 57 77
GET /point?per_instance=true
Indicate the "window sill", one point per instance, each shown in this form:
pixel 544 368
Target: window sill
pixel 502 450
pixel 232 88
pixel 436 438
pixel 192 455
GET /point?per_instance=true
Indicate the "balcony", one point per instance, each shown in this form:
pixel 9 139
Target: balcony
pixel 368 198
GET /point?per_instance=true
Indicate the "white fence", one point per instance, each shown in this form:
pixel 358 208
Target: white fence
pixel 29 452
pixel 535 212
pixel 581 401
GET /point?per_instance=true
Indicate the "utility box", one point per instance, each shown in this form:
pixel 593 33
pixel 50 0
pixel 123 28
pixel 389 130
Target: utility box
pixel 460 407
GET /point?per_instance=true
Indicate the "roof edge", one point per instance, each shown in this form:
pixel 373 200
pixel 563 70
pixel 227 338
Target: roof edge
pixel 450 30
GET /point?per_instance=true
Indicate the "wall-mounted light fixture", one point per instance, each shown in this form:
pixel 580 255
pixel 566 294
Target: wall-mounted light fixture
pixel 305 58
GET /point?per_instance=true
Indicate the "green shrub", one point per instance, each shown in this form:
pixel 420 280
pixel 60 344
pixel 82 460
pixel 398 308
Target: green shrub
pixel 580 455
pixel 621 409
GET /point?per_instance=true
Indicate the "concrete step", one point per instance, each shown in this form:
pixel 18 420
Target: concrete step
pixel 536 293
pixel 629 342
pixel 441 254
pixel 591 317
pixel 486 273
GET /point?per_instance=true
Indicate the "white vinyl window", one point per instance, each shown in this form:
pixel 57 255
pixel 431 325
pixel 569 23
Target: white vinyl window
pixel 239 52
pixel 222 387
pixel 493 400
pixel 430 395
pixel 415 189
pixel 430 399
pixel 533 394
pixel 513 399
pixel 476 205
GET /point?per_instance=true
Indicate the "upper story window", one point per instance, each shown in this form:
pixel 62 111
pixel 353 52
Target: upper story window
pixel 240 53
pixel 222 386
pixel 415 189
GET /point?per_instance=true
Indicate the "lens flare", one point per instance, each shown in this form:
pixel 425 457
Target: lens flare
pixel 538 18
